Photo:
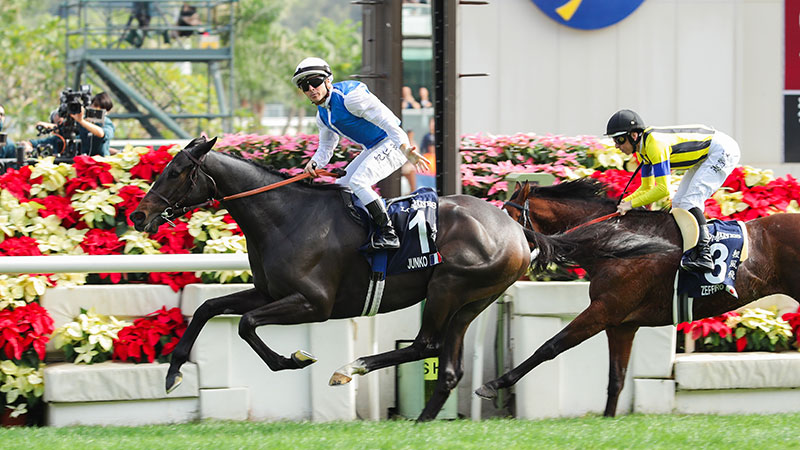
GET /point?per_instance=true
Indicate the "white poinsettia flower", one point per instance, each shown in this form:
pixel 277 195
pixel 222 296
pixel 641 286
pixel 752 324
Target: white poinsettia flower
pixel 139 243
pixel 53 176
pixel 85 353
pixel 94 205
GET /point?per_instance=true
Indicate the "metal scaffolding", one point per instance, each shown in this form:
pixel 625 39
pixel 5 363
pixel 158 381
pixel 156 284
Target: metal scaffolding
pixel 132 47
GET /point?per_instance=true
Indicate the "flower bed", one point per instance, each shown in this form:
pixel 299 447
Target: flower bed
pixel 83 208
pixel 754 329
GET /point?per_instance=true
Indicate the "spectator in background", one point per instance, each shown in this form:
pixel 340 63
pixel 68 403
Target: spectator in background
pixel 424 98
pixel 409 102
pixel 428 141
pixel 7 149
pixel 188 17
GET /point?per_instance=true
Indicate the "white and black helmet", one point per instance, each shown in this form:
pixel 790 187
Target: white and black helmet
pixel 311 66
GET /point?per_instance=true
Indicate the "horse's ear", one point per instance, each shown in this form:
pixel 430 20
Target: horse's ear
pixel 203 147
pixel 524 191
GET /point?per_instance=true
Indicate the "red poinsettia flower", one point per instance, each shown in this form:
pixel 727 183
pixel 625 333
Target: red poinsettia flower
pixel 175 280
pixel 228 219
pixel 20 246
pixel 150 337
pixel 616 181
pixel 174 240
pixel 61 207
pixel 89 174
pixel 24 328
pixel 17 182
pixel 131 196
pixel 101 242
pixel 151 164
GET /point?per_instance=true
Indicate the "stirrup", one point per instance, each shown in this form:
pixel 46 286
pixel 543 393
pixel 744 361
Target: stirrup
pixel 699 262
pixel 384 239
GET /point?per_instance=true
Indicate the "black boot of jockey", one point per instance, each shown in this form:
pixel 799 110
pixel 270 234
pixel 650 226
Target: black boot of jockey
pixel 385 237
pixel 700 257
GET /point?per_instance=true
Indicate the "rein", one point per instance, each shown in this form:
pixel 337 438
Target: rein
pixel 170 212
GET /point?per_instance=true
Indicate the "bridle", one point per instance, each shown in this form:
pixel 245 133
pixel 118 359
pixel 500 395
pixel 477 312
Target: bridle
pixel 524 208
pixel 174 209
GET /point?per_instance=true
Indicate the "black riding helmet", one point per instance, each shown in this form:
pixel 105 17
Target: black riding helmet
pixel 623 122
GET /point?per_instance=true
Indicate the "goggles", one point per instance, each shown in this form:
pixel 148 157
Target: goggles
pixel 619 140
pixel 314 82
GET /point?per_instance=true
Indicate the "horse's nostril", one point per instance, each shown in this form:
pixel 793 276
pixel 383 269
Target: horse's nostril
pixel 137 217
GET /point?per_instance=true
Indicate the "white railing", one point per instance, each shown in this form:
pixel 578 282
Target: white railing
pixel 123 263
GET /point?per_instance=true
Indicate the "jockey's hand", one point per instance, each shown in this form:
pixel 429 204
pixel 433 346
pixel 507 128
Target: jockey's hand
pixel 311 168
pixel 416 158
pixel 624 207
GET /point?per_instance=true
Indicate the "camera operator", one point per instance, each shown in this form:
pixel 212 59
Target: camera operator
pixel 94 137
pixel 7 147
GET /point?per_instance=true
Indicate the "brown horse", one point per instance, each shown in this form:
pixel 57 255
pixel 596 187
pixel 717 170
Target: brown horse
pixel 632 293
pixel 302 247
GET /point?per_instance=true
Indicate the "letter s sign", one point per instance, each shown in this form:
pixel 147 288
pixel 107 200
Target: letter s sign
pixel 588 14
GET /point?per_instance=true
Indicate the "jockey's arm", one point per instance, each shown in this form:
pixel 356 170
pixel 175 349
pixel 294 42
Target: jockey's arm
pixel 328 140
pixel 655 184
pixel 362 103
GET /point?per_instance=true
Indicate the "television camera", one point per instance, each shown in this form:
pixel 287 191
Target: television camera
pixel 71 102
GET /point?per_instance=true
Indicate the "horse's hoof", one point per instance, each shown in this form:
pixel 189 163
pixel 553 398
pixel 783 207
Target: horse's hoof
pixel 338 379
pixel 173 381
pixel 303 359
pixel 486 392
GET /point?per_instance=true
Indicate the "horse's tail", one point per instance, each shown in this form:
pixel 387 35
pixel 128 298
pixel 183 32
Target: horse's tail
pixel 588 245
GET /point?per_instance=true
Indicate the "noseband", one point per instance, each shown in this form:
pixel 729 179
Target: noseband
pixel 525 221
pixel 174 209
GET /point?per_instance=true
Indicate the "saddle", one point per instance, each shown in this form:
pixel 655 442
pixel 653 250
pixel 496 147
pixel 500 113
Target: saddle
pixel 729 248
pixel 415 218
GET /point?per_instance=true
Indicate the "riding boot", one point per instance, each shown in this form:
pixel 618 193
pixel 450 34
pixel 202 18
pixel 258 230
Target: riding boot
pixel 385 238
pixel 700 259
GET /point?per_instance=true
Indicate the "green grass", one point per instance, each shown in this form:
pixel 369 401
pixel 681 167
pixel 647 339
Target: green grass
pixel 780 431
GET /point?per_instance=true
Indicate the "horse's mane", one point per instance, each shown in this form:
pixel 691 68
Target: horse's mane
pixel 274 171
pixel 588 189
pixel 592 190
pixel 603 241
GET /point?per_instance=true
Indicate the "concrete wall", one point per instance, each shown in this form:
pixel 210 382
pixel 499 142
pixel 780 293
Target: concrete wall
pixel 718 62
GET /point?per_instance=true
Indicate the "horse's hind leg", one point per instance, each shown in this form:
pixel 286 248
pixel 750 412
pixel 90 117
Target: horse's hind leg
pixel 451 357
pixel 620 341
pixel 425 345
pixel 236 303
pixel 587 324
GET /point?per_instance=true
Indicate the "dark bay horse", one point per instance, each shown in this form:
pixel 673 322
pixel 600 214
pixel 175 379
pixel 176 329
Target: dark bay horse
pixel 632 293
pixel 302 247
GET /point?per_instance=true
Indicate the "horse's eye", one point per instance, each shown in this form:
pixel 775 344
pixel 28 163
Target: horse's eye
pixel 173 174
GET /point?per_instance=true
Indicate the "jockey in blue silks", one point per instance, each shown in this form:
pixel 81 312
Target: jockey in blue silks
pixel 349 109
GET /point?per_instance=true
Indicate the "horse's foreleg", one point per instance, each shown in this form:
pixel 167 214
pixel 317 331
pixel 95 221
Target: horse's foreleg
pixel 588 323
pixel 236 303
pixel 290 310
pixel 620 341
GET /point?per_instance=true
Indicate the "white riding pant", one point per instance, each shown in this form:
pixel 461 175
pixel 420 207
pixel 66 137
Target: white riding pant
pixel 701 181
pixel 371 166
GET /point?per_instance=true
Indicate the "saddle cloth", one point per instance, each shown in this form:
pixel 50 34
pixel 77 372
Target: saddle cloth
pixel 415 218
pixel 728 250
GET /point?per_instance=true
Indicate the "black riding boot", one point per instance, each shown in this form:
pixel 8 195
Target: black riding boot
pixel 385 237
pixel 700 257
